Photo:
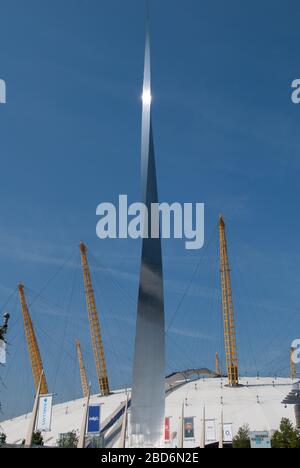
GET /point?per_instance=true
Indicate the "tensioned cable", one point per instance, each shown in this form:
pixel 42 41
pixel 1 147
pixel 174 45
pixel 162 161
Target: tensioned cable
pixel 191 282
pixel 182 352
pixel 59 345
pixel 70 341
pixel 237 317
pixel 9 299
pixel 65 332
pixel 276 338
pixel 114 280
pixel 198 341
pixel 52 278
pixel 111 316
pixel 105 323
pixel 261 316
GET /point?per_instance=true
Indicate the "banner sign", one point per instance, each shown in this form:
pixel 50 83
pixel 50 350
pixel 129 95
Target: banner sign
pixel 45 413
pixel 2 352
pixel 260 440
pixel 93 426
pixel 167 430
pixel 210 431
pixel 189 430
pixel 227 433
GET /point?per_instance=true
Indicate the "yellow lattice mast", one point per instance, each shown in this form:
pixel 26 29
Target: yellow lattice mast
pixel 218 370
pixel 95 329
pixel 292 365
pixel 33 348
pixel 84 382
pixel 228 312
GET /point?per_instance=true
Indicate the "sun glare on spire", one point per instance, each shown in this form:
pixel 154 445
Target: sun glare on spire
pixel 146 97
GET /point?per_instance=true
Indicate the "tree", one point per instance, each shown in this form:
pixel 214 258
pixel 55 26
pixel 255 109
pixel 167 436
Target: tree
pixel 37 439
pixel 287 436
pixel 242 439
pixel 68 440
pixel 2 438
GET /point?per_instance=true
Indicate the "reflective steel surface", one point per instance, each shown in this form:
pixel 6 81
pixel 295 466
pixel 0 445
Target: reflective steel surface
pixel 148 391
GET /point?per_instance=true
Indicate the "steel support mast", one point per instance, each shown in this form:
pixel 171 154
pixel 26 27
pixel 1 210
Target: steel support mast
pixel 33 348
pixel 228 311
pixel 83 377
pixel 95 329
pixel 218 369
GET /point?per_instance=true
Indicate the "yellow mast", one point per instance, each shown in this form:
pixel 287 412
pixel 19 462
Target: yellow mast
pixel 228 312
pixel 84 382
pixel 95 329
pixel 292 365
pixel 218 370
pixel 33 348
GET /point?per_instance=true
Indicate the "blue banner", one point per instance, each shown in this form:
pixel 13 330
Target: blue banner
pixel 94 426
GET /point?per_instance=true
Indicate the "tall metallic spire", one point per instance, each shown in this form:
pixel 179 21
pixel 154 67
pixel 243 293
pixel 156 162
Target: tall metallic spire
pixel 147 138
pixel 148 391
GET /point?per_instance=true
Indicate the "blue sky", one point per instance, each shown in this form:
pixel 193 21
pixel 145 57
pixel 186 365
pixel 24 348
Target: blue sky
pixel 226 134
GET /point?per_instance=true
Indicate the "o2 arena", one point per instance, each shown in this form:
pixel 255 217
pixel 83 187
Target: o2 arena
pixel 190 408
pixel 257 402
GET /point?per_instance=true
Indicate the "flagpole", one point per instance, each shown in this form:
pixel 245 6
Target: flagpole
pixel 202 439
pixel 181 426
pixel 81 442
pixel 221 441
pixel 29 437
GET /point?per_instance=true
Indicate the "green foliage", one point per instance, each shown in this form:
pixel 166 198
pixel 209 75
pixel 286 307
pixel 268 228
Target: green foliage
pixel 242 439
pixel 37 439
pixel 2 438
pixel 287 436
pixel 68 440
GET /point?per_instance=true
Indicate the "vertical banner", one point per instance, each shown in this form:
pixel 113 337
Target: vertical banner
pixel 167 430
pixel 189 429
pixel 227 434
pixel 2 352
pixel 93 426
pixel 45 413
pixel 210 431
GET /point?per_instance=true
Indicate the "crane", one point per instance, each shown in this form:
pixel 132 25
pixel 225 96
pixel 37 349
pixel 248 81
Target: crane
pixel 228 312
pixel 84 382
pixel 95 329
pixel 33 348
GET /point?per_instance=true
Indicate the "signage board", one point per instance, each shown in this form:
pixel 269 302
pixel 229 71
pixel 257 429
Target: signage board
pixel 167 430
pixel 189 429
pixel 93 426
pixel 260 440
pixel 210 431
pixel 45 413
pixel 227 434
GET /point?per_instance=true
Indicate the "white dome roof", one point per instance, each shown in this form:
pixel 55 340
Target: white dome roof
pixel 258 403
